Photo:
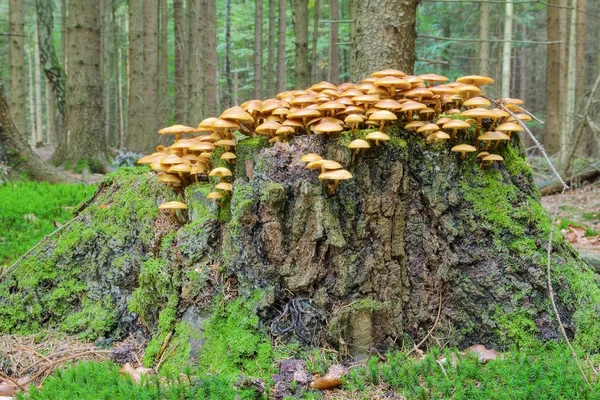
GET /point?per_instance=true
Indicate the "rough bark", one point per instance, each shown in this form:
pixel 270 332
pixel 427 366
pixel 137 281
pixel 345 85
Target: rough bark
pixel 18 156
pixel 163 81
pixel 210 91
pixel 39 115
pixel 363 267
pixel 195 63
pixel 84 130
pixel 300 22
pixel 50 116
pixel 229 92
pixel 334 38
pixel 135 138
pixel 180 91
pixel 385 37
pixel 507 49
pixel 553 80
pixel 566 138
pixel 17 65
pixel 281 60
pixel 258 48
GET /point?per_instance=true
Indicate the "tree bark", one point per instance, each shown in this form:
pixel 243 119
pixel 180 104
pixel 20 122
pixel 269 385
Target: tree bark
pixel 84 136
pixel 15 152
pixel 210 106
pixel 258 48
pixel 553 80
pixel 507 49
pixel 281 36
pixel 315 37
pixel 50 115
pixel 117 93
pixel 151 125
pixel 566 141
pixel 32 129
pixel 484 34
pixel 163 76
pixel 334 38
pixel 134 137
pixel 300 22
pixel 39 115
pixel 195 64
pixel 581 44
pixel 49 59
pixel 385 37
pixel 63 34
pixel 17 65
pixel 180 90
pixel 229 91
pixel 270 81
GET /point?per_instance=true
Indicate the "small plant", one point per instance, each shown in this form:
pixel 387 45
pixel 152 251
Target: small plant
pixel 126 159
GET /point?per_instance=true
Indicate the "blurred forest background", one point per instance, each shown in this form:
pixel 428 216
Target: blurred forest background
pixel 162 62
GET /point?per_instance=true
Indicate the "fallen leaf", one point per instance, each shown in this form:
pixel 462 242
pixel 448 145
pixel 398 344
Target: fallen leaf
pixel 331 380
pixel 484 354
pixel 134 373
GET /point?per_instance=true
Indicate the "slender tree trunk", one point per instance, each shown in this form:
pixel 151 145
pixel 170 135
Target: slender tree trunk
pixel 315 37
pixel 32 129
pixel 117 94
pixel 39 127
pixel 581 45
pixel 135 138
pixel 270 81
pixel 553 79
pixel 50 115
pixel 17 65
pixel 300 22
pixel 63 34
pixel 507 49
pixel 127 81
pixel 15 152
pixel 195 64
pixel 210 91
pixel 484 34
pixel 383 39
pixel 258 48
pixel 229 89
pixel 163 76
pixel 180 91
pixel 569 116
pixel 281 36
pixel 334 38
pixel 49 59
pixel 104 62
pixel 151 125
pixel 84 136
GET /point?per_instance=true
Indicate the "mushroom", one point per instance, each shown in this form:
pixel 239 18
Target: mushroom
pixel 173 206
pixel 414 125
pixel 435 137
pixel 353 120
pixel 310 157
pixel 382 116
pixel 489 160
pixel 358 144
pixel 492 137
pixel 224 186
pixel 229 157
pixel 177 130
pixel 336 176
pixel 479 114
pixel 377 136
pixel 221 172
pixel 428 129
pixel 216 196
pixel 455 125
pixel 509 127
pixel 463 149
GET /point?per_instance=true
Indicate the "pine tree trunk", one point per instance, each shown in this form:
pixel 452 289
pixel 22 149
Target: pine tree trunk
pixel 334 38
pixel 50 62
pixel 39 126
pixel 484 34
pixel 315 37
pixel 180 90
pixel 281 36
pixel 84 130
pixel 210 91
pixel 385 37
pixel 581 45
pixel 16 80
pixel 151 124
pixel 117 92
pixel 270 81
pixel 507 49
pixel 195 64
pixel 553 79
pixel 50 115
pixel 258 48
pixel 300 22
pixel 229 91
pixel 163 76
pixel 571 89
pixel 135 138
pixel 63 34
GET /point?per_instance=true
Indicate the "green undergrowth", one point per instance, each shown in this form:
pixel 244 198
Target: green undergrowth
pixel 535 372
pixel 31 210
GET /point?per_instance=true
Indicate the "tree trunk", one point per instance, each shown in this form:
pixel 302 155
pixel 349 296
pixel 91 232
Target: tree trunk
pixel 117 93
pixel 210 106
pixel 553 80
pixel 17 65
pixel 300 22
pixel 50 62
pixel 63 34
pixel 39 115
pixel 32 129
pixel 50 115
pixel 385 37
pixel 581 44
pixel 334 38
pixel 281 36
pixel 84 136
pixel 571 88
pixel 229 91
pixel 258 48
pixel 163 76
pixel 151 124
pixel 180 90
pixel 135 138
pixel 315 37
pixel 270 80
pixel 195 63
pixel 484 34
pixel 507 49
pixel 18 156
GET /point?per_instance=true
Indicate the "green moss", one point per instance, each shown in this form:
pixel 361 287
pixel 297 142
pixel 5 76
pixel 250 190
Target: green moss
pixel 248 149
pixel 166 323
pixel 273 193
pixel 178 353
pixel 241 201
pixel 515 163
pixel 94 320
pixel 516 328
pixel 235 343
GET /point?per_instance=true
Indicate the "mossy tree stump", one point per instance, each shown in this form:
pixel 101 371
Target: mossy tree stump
pixel 365 267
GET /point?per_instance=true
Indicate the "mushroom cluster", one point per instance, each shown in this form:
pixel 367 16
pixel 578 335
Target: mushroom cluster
pixel 427 105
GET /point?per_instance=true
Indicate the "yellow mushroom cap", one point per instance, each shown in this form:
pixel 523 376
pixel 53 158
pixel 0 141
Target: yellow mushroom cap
pixel 428 127
pixel 226 186
pixel 412 106
pixel 225 143
pixel 392 81
pixel 177 130
pixel 268 128
pixel 494 136
pixel 413 126
pixel 237 114
pixel 482 154
pixel 337 175
pixel 315 164
pixel 310 157
pixel 383 115
pixel 377 136
pixel 171 159
pixel 463 148
pixel 441 135
pixel 330 165
pixel 215 195
pixel 359 144
pixel 479 113
pixel 475 80
pixel 388 72
pixel 173 205
pixel 493 157
pixel 220 171
pixel 477 102
pixel 509 127
pixel 228 156
pixel 179 168
pixel 169 178
pixel 152 158
pixel 456 124
pixel 206 125
pixel 327 127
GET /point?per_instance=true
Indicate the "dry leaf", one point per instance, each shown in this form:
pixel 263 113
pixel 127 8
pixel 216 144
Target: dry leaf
pixel 134 373
pixel 332 380
pixel 484 354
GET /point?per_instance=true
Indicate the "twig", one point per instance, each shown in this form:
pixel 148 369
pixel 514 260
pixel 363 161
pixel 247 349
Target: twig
pixel 9 269
pixel 164 346
pixel 61 360
pixel 162 359
pixel 416 347
pixel 442 367
pixel 8 378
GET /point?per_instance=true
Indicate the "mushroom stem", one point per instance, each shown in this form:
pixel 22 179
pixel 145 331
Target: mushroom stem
pixel 332 188
pixel 174 212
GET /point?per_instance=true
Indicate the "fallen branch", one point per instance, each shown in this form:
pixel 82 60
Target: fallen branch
pixel 164 347
pixel 588 173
